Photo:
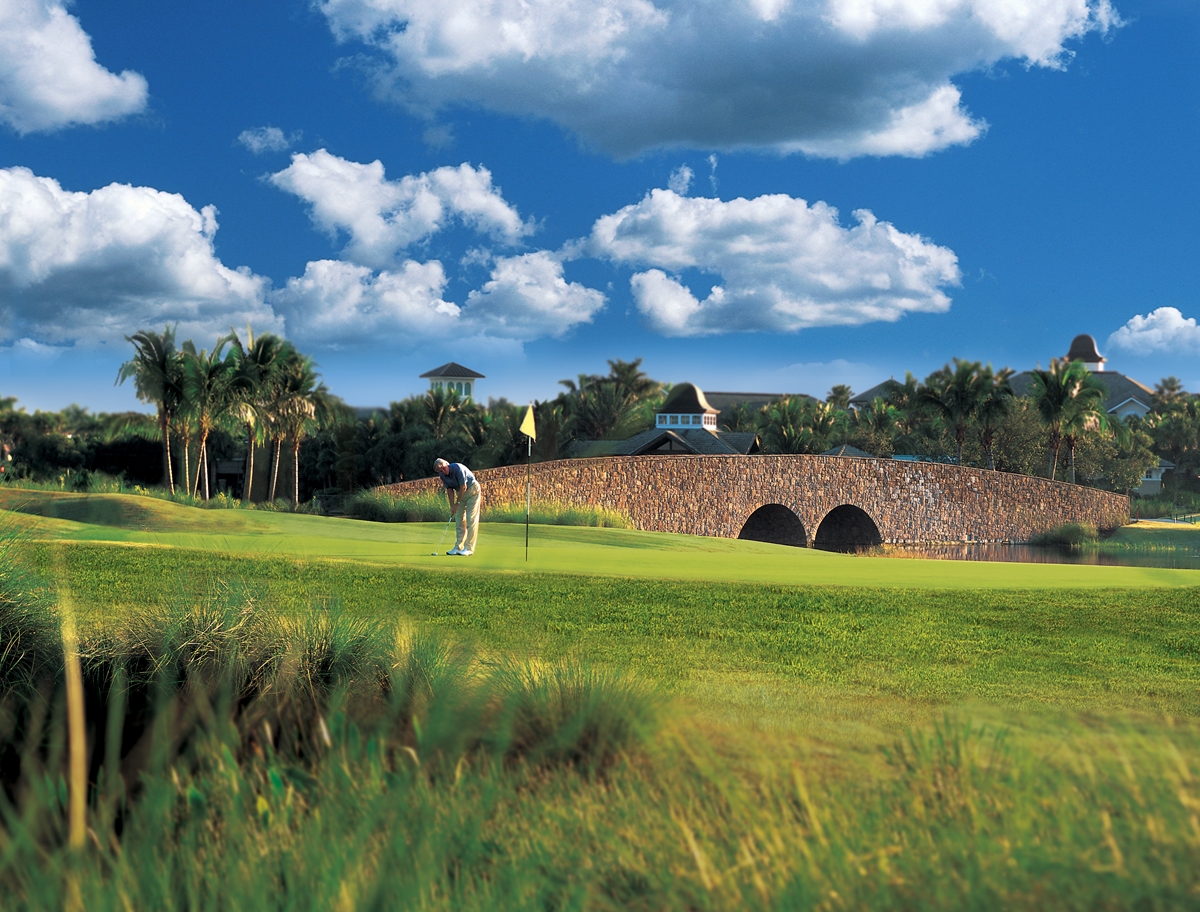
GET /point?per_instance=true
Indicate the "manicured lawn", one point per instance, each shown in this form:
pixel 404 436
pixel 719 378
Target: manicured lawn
pixel 552 549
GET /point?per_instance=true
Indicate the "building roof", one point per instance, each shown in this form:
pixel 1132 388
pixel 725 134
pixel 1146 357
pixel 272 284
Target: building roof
pixel 878 391
pixel 693 441
pixel 1120 388
pixel 687 399
pixel 452 369
pixel 846 450
pixel 725 401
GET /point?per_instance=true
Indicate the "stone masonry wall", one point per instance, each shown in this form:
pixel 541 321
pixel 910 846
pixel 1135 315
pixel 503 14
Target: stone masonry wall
pixel 715 495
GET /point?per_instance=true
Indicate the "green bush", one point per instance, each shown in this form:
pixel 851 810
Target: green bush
pixel 1071 535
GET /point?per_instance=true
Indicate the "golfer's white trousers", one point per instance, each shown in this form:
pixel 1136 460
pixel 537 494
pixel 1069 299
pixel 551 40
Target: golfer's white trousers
pixel 468 519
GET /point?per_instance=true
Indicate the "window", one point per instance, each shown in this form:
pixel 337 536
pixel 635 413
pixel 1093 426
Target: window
pixel 674 419
pixel 662 419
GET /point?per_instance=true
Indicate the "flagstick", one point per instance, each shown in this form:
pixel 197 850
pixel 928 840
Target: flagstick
pixel 528 461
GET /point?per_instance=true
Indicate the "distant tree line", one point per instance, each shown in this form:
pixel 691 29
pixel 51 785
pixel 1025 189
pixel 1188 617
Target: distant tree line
pixel 261 400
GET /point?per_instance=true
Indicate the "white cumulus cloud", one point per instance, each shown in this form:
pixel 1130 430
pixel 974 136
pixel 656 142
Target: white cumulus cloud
pixel 1164 330
pixel 775 264
pixel 340 304
pixel 836 78
pixel 382 218
pixel 49 77
pixel 527 297
pixel 343 304
pixel 93 267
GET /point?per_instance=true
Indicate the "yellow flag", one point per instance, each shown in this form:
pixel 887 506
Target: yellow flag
pixel 527 427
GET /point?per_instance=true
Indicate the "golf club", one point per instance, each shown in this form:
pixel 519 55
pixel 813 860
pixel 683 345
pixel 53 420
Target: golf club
pixel 443 538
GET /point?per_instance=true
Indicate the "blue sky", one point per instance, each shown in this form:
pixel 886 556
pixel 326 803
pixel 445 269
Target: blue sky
pixel 765 195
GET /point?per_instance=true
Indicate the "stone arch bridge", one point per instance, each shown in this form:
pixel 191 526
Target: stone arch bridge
pixel 821 501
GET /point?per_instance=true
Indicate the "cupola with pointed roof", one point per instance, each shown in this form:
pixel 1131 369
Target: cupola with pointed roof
pixel 1083 348
pixel 686 407
pixel 453 377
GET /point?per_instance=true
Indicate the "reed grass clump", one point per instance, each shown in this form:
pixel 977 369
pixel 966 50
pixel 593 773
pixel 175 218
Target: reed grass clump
pixel 383 506
pixel 1069 536
pixel 30 638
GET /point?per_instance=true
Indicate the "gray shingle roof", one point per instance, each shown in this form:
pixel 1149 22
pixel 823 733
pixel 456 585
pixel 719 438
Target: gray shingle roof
pixel 878 391
pixel 451 369
pixel 725 401
pixel 846 450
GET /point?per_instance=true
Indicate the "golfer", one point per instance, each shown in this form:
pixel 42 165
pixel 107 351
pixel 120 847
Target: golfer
pixel 462 491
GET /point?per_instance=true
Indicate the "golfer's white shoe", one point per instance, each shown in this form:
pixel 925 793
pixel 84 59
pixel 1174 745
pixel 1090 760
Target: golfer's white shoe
pixel 466 553
pixel 454 551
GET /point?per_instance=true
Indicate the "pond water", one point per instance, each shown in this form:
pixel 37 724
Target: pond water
pixel 1180 559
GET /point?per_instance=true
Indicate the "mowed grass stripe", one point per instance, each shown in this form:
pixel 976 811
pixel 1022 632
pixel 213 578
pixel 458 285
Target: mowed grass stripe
pixel 1136 650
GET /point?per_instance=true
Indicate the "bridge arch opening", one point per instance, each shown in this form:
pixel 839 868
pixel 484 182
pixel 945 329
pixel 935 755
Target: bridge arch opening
pixel 776 524
pixel 847 528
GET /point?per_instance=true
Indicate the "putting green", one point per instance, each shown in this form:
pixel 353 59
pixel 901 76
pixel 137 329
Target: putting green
pixel 552 549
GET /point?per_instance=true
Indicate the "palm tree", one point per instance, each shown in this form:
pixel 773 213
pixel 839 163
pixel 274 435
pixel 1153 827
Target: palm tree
pixel 1066 394
pixel 958 399
pixel 600 410
pixel 1084 416
pixel 208 379
pixel 839 396
pixel 303 403
pixel 1167 392
pixel 874 426
pixel 997 404
pixel 553 429
pixel 1178 433
pixel 257 371
pixel 742 418
pixel 631 379
pixel 157 378
pixel 797 425
pixel 442 412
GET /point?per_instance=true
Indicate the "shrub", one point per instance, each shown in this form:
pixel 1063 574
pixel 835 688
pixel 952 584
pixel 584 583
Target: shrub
pixel 1071 535
pixel 381 506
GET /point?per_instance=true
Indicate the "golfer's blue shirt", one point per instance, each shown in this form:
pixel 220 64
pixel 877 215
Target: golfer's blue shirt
pixel 458 476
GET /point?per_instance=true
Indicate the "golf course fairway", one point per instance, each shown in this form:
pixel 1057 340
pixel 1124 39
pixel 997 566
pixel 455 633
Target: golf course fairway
pixel 130 520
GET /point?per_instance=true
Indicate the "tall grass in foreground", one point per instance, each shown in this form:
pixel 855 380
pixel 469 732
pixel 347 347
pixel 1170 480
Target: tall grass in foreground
pixel 241 759
pixel 964 822
pixel 381 506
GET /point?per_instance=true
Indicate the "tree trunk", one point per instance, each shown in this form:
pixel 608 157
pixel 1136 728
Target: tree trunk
pixel 1071 451
pixel 296 471
pixel 207 470
pixel 202 467
pixel 164 427
pixel 249 463
pixel 275 466
pixel 187 467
